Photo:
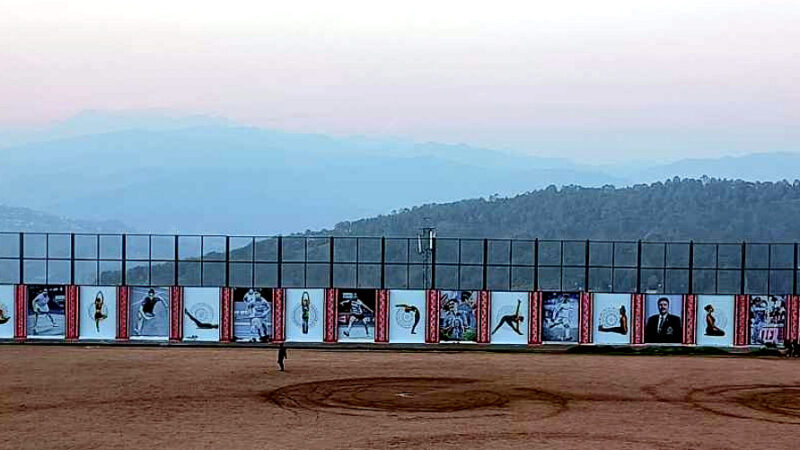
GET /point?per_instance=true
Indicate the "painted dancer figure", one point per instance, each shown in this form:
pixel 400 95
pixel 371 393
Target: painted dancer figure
pixel 41 305
pixel 4 318
pixel 453 324
pixel 622 328
pixel 259 309
pixel 357 314
pixel 200 324
pixel 512 320
pixel 711 323
pixel 305 305
pixel 146 309
pixel 411 309
pixel 99 312
pixel 561 316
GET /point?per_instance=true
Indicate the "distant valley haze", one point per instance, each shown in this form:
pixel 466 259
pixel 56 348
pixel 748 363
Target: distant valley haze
pixel 155 172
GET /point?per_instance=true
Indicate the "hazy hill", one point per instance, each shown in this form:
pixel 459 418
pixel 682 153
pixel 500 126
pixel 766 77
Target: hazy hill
pixel 24 219
pixel 704 210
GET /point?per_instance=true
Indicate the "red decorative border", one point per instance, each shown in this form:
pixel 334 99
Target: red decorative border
pixel 432 306
pixel 71 312
pixel 331 316
pixel 637 319
pixel 534 318
pixel 123 297
pixel 176 313
pixel 793 317
pixel 689 319
pixel 278 315
pixel 586 318
pixel 21 312
pixel 225 314
pixel 741 306
pixel 382 316
pixel 484 316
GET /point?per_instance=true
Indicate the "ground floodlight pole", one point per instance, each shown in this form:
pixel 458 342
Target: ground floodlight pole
pixel 426 248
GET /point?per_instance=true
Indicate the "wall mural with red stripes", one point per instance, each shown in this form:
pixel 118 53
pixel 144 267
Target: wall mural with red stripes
pixel 249 315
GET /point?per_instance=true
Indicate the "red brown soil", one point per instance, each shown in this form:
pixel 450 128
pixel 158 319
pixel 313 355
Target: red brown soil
pixel 116 397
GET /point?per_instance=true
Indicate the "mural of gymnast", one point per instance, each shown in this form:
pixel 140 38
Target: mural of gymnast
pixel 411 309
pixel 512 320
pixel 622 328
pixel 200 324
pixel 711 323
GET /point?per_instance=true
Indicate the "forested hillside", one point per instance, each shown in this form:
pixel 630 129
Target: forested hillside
pixel 704 209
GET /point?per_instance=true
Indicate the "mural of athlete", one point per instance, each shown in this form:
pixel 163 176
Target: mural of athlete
pixel 512 320
pixel 711 323
pixel 146 309
pixel 99 310
pixel 622 328
pixel 259 310
pixel 305 305
pixel 357 313
pixel 4 317
pixel 561 316
pixel 200 324
pixel 411 309
pixel 41 305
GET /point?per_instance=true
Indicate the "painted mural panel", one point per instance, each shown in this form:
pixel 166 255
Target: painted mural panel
pixel 611 319
pixel 6 312
pixel 356 315
pixel 149 313
pixel 98 312
pixel 561 317
pixel 458 316
pixel 715 320
pixel 407 316
pixel 767 319
pixel 509 318
pixel 304 315
pixel 664 324
pixel 46 317
pixel 252 315
pixel 201 314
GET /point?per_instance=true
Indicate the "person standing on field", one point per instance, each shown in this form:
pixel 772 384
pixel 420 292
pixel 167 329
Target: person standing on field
pixel 281 356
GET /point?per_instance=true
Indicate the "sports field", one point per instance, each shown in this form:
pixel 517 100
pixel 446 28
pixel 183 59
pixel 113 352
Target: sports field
pixel 137 397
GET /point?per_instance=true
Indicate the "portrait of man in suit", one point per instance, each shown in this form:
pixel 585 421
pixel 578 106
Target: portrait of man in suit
pixel 663 327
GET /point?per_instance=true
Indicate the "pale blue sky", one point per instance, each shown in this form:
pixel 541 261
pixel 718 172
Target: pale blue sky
pixel 587 80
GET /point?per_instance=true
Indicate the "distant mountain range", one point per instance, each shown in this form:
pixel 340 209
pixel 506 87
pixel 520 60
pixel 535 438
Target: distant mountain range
pixel 156 173
pixel 24 219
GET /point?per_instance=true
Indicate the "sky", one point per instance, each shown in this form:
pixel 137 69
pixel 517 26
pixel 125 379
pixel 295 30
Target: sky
pixel 586 80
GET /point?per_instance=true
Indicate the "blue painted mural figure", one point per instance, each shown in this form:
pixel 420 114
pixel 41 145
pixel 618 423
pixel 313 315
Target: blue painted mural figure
pixel 458 321
pixel 147 309
pixel 259 311
pixel 767 320
pixel 561 314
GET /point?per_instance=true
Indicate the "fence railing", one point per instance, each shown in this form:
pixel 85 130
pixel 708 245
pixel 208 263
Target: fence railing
pixel 397 263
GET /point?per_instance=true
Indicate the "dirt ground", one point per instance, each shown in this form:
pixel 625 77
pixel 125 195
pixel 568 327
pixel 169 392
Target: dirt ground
pixel 117 397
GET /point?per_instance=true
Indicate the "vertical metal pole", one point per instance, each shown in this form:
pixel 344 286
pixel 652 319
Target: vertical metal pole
pixel 742 268
pixel 638 266
pixel 433 264
pixel 586 269
pixel 330 256
pixel 485 262
pixel 358 265
pixel 124 277
pixel 21 258
pixel 691 267
pixel 769 268
pixel 383 262
pixel 227 259
pixel 794 271
pixel 536 265
pixel 72 259
pixel 176 274
pixel 510 264
pixel 280 261
pixel 716 270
